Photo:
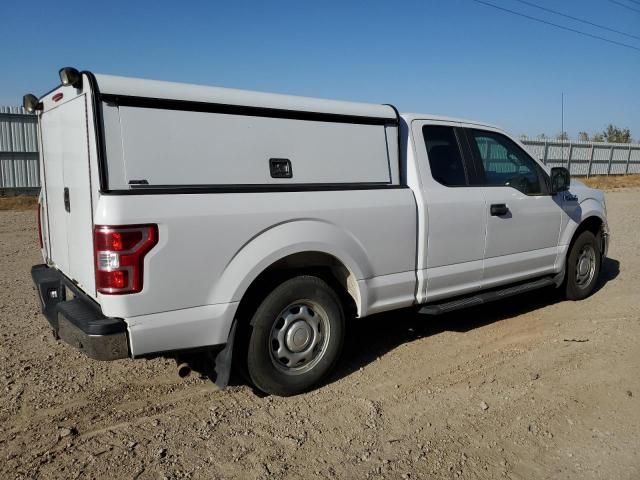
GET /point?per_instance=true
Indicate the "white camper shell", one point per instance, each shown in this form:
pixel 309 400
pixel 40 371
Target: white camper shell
pixel 180 217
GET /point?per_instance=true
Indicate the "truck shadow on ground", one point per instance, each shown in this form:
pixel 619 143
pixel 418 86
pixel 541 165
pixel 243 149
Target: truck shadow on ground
pixel 369 338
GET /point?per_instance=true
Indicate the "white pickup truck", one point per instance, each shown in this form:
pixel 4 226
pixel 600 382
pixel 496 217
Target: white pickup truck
pixel 178 218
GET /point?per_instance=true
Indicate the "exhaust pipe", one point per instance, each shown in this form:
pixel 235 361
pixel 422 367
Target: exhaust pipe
pixel 184 369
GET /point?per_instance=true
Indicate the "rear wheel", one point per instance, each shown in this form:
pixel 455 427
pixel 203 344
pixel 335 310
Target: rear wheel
pixel 583 266
pixel 296 336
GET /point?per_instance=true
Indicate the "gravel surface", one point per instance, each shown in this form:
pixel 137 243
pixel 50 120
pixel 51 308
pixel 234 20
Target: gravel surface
pixel 533 387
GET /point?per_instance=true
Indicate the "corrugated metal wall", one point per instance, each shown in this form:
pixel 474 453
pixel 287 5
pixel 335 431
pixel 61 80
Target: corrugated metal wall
pixel 19 167
pixel 587 158
pixel 18 149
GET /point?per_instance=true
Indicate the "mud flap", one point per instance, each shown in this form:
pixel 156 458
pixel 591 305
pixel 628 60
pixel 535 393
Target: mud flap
pixel 224 358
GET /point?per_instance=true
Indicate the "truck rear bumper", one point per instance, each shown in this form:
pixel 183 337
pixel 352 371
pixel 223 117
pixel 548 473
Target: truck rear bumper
pixel 79 321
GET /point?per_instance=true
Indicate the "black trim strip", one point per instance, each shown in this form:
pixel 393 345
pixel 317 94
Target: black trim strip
pixel 467 157
pixel 192 106
pixel 259 188
pixel 99 131
pixel 398 135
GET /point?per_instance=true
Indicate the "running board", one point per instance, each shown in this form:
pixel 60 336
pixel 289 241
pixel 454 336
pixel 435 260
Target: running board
pixel 486 297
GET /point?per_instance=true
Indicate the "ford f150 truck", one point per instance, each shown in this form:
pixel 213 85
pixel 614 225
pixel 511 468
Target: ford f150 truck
pixel 176 218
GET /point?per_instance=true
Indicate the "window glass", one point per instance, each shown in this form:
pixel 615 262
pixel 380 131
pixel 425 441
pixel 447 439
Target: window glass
pixel 506 164
pixel 445 159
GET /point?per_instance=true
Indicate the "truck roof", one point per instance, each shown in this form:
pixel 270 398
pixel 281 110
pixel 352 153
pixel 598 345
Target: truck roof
pixel 409 117
pixel 137 87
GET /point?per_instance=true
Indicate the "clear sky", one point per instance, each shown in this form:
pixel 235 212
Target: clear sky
pixel 451 57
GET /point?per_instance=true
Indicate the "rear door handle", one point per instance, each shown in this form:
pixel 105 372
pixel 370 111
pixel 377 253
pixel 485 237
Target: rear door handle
pixel 499 209
pixel 67 202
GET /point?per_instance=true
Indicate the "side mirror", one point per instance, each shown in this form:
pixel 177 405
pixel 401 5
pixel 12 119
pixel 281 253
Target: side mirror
pixel 560 179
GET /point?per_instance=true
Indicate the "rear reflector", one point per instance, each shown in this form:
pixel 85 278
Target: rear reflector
pixel 115 280
pixel 57 97
pixel 119 255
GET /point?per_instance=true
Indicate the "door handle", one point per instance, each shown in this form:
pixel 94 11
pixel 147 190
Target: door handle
pixel 67 202
pixel 499 209
pixel 280 168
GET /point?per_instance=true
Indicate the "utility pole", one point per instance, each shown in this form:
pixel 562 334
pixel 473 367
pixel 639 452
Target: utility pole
pixel 562 125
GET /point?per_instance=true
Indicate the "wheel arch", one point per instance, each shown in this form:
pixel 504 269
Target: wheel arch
pixel 321 264
pixel 589 215
pixel 593 223
pixel 296 247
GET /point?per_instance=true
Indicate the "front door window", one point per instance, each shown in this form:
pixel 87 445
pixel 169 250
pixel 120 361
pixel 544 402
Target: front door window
pixel 506 164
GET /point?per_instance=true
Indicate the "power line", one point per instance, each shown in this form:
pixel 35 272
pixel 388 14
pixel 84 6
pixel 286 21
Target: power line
pixel 569 29
pixel 624 5
pixel 634 1
pixel 587 22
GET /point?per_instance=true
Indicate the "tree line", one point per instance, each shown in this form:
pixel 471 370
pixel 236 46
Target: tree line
pixel 612 134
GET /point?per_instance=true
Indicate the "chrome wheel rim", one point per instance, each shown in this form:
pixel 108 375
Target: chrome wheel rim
pixel 299 337
pixel 585 266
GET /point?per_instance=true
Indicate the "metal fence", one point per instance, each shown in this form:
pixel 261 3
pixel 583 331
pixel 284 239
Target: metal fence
pixel 19 168
pixel 587 158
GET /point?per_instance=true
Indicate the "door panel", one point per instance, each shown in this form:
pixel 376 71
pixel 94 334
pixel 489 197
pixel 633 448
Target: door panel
pixel 518 266
pixel 53 159
pixel 455 240
pixel 524 224
pixel 77 180
pixel 66 160
pixel 522 243
pixel 455 222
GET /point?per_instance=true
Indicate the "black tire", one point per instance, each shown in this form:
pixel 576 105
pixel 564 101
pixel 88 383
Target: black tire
pixel 575 289
pixel 303 313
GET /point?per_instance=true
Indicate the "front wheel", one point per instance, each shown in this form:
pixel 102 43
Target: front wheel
pixel 296 337
pixel 583 266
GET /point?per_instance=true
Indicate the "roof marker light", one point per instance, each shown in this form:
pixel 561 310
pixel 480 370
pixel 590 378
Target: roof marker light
pixel 70 76
pixel 30 103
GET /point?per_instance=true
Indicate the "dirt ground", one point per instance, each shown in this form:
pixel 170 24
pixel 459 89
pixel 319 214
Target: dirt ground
pixel 528 388
pixel 18 202
pixel 608 182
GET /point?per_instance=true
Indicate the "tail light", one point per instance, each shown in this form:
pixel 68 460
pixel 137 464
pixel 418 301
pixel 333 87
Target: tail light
pixel 39 219
pixel 119 253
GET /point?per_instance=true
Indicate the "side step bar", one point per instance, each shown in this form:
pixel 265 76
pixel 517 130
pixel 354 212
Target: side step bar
pixel 486 297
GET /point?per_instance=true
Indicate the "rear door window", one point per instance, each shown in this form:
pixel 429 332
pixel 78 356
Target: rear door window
pixel 445 157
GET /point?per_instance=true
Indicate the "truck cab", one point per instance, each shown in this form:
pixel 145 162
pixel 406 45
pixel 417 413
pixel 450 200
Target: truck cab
pixel 490 215
pixel 180 218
